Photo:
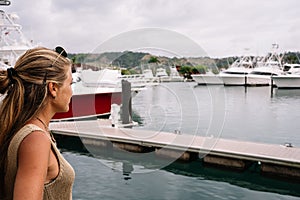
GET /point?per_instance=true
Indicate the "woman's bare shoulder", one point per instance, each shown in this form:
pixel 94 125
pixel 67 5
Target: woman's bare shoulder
pixel 35 143
pixel 33 161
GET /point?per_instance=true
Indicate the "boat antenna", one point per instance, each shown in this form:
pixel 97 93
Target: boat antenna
pixel 4 2
pixel 275 46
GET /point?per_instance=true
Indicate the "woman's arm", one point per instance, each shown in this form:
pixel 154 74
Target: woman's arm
pixel 33 159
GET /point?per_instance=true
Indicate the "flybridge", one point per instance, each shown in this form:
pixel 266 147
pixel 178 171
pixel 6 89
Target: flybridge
pixel 12 41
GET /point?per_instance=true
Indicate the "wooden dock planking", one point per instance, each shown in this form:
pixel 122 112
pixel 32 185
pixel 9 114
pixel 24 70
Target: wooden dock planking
pixel 243 150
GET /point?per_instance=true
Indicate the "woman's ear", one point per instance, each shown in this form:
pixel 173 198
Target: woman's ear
pixel 52 88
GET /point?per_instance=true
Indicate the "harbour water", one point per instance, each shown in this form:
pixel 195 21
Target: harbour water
pixel 250 114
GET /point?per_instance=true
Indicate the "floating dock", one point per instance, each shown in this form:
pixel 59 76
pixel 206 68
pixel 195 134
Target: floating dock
pixel 275 160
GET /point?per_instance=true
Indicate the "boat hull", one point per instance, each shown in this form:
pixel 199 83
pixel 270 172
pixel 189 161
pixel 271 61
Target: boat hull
pixel 89 105
pixel 203 79
pixel 234 80
pixel 287 81
pixel 258 80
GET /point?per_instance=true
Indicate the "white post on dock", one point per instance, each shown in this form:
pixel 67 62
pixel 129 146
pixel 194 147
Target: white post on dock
pixel 126 109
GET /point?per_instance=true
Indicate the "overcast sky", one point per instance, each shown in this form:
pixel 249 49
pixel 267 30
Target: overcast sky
pixel 221 27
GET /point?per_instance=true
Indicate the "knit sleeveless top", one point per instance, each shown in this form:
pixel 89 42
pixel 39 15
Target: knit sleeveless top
pixel 58 189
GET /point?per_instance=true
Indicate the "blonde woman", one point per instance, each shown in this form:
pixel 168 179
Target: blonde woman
pixel 31 167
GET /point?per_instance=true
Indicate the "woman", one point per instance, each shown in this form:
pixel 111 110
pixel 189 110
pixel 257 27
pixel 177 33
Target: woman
pixel 37 87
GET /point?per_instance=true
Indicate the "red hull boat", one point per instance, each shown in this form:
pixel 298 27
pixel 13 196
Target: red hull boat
pixel 91 101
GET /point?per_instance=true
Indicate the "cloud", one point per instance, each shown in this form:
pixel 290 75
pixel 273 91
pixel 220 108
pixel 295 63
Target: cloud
pixel 220 27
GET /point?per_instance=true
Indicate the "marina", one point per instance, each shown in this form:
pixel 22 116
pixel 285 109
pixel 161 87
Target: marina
pixel 184 140
pixel 252 118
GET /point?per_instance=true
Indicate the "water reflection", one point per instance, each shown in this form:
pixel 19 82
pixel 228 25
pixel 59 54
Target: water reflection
pixel 287 93
pixel 127 168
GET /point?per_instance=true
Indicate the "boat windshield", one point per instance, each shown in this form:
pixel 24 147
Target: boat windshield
pixel 228 72
pixel 263 73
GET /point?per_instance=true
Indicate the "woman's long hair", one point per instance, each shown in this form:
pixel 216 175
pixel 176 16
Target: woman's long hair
pixel 25 88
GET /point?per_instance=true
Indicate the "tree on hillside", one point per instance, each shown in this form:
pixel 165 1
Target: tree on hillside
pixel 291 57
pixel 153 59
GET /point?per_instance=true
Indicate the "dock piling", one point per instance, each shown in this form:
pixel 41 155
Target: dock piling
pixel 245 83
pixel 272 86
pixel 126 109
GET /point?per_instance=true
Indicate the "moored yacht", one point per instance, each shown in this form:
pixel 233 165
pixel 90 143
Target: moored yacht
pixel 12 41
pixel 264 70
pixel 149 78
pixel 174 75
pixel 290 79
pixel 162 75
pixel 235 75
pixel 93 94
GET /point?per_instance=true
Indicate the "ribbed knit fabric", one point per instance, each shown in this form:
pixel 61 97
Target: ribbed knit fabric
pixel 58 189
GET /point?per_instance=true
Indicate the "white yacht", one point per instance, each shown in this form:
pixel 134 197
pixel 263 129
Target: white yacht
pixel 12 41
pixel 101 78
pixel 174 75
pixel 111 78
pixel 235 75
pixel 290 79
pixel 149 78
pixel 136 80
pixel 209 78
pixel 162 75
pixel 262 73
